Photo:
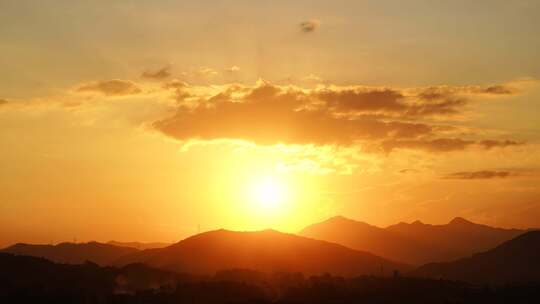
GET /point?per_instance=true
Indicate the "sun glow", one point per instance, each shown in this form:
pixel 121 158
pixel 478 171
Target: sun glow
pixel 268 193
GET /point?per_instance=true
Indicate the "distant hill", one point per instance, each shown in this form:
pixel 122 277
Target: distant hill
pixel 515 261
pixel 139 245
pixel 362 236
pixel 459 238
pixel 267 251
pixel 415 243
pixel 71 253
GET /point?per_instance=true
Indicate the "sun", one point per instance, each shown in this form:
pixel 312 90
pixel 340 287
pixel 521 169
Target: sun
pixel 268 193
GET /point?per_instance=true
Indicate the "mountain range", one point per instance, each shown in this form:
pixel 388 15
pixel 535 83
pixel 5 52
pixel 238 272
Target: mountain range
pixel 459 250
pixel 416 243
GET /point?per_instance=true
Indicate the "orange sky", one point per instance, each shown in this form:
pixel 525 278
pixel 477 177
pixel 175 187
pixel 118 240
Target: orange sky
pixel 164 117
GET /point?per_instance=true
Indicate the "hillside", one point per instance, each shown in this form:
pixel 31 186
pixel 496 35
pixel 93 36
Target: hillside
pixel 515 261
pixel 267 251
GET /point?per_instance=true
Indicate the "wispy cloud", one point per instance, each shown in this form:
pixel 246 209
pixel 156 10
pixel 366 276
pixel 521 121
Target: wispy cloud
pixel 444 144
pixel 114 87
pixel 159 74
pixel 207 72
pixel 486 174
pixel 232 69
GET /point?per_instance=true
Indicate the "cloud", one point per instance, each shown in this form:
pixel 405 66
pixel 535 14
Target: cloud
pixel 232 69
pixel 268 114
pixel 175 84
pixel 408 171
pixel 378 118
pixel 488 144
pixel 312 78
pixel 114 87
pixel 446 100
pixel 159 74
pixel 269 126
pixel 429 145
pixel 478 175
pixel 438 145
pixel 440 101
pixel 363 100
pixel 3 101
pixel 309 26
pixel 436 107
pixel 444 92
pixel 181 89
pixel 207 72
pixel 498 90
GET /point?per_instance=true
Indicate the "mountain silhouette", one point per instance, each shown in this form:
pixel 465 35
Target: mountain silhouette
pixel 267 251
pixel 459 238
pixel 515 261
pixel 139 245
pixel 362 236
pixel 415 243
pixel 71 253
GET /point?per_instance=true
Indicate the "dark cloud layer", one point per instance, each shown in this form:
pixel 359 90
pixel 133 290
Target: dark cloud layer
pixel 267 114
pixel 3 101
pixel 478 175
pixel 114 87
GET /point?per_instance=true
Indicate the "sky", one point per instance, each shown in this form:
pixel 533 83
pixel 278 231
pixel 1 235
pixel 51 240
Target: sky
pixel 154 120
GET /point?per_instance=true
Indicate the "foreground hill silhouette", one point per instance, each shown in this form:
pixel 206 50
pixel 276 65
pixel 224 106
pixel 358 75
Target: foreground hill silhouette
pixel 71 253
pixel 415 243
pixel 26 279
pixel 266 251
pixel 517 260
pixel 38 280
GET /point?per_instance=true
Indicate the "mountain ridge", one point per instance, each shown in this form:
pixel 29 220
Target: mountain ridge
pixel 266 251
pixel 415 243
